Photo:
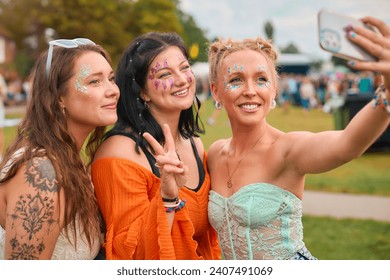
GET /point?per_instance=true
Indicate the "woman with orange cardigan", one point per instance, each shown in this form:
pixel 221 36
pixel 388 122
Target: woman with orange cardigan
pixel 154 197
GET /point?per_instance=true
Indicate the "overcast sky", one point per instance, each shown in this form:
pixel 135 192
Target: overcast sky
pixel 294 21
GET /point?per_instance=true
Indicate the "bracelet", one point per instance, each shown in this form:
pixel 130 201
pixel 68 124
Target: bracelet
pixel 175 208
pixel 380 99
pixel 176 199
pixel 167 205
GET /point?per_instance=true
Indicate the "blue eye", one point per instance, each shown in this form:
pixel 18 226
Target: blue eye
pixel 235 80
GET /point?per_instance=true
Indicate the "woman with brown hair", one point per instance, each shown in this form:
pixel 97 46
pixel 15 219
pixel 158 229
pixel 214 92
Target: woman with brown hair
pixel 47 205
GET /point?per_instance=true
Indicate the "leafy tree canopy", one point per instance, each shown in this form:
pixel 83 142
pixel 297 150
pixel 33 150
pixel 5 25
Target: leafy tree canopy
pixel 110 23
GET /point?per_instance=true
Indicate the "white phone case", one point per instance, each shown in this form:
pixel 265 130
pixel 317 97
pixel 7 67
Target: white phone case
pixel 333 36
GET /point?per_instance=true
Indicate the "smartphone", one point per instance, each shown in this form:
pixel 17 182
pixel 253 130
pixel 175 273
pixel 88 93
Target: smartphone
pixel 332 31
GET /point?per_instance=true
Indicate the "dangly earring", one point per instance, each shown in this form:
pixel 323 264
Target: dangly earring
pixel 218 105
pixel 63 109
pixel 273 104
pixel 146 104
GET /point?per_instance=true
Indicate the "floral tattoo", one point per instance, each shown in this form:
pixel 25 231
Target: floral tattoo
pixel 34 213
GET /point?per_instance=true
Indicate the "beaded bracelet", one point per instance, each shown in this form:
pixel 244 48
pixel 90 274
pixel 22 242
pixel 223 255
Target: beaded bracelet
pixel 380 99
pixel 176 207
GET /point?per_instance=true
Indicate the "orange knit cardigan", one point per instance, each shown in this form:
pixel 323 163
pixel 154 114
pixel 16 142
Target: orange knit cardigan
pixel 136 223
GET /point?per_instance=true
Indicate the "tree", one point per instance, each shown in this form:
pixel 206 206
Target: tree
pixel 110 23
pixel 269 30
pixel 290 48
pixel 194 36
pixel 29 22
pixel 155 15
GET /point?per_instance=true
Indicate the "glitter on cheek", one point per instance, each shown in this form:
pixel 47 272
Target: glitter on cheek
pixel 156 84
pixel 262 84
pixel 84 72
pixel 171 82
pixel 189 77
pixel 231 87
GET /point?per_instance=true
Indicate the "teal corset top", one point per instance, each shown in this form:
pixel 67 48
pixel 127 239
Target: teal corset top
pixel 260 221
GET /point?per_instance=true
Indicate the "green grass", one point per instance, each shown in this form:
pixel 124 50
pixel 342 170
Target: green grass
pixel 347 239
pixel 368 174
pixel 326 238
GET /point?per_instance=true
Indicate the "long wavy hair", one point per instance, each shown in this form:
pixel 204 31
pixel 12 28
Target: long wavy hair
pixel 44 131
pixel 131 77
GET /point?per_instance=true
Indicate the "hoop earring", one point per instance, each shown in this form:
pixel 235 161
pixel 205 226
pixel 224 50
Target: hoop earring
pixel 273 104
pixel 218 105
pixel 63 110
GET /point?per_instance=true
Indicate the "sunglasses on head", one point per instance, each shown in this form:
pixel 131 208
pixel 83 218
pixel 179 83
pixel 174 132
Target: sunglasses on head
pixel 64 43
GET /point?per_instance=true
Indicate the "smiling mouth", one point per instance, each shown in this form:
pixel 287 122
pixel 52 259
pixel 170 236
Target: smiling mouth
pixel 249 106
pixel 180 93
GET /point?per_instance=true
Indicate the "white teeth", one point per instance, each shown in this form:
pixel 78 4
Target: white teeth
pixel 180 92
pixel 249 106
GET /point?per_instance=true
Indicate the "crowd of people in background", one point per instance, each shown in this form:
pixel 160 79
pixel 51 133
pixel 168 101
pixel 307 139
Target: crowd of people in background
pixel 14 89
pixel 326 91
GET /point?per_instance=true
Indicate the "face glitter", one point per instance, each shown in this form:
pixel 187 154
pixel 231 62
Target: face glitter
pixel 84 72
pixel 189 77
pixel 171 82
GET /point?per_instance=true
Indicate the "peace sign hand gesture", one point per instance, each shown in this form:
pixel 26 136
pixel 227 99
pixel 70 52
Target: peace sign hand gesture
pixel 173 173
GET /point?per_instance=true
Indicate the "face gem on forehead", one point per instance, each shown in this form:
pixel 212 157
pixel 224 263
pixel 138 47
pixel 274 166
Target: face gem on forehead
pixel 85 70
pixel 235 68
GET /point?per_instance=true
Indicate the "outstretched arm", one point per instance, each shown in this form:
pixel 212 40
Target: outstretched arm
pixel 314 153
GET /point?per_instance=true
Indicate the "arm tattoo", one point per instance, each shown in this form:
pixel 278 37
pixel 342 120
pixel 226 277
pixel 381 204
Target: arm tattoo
pixel 33 214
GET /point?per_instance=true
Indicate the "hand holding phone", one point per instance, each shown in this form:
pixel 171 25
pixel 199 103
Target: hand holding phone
pixel 332 30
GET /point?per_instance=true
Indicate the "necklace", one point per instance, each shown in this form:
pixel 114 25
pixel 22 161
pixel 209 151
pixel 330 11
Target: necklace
pixel 229 183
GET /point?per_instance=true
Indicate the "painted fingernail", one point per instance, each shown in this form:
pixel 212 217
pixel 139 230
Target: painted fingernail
pixel 349 27
pixel 352 34
pixel 351 63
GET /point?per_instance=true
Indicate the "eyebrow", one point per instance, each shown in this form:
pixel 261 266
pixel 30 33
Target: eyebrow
pixel 169 67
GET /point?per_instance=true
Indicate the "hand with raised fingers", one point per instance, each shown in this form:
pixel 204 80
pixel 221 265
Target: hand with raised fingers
pixel 173 173
pixel 376 43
